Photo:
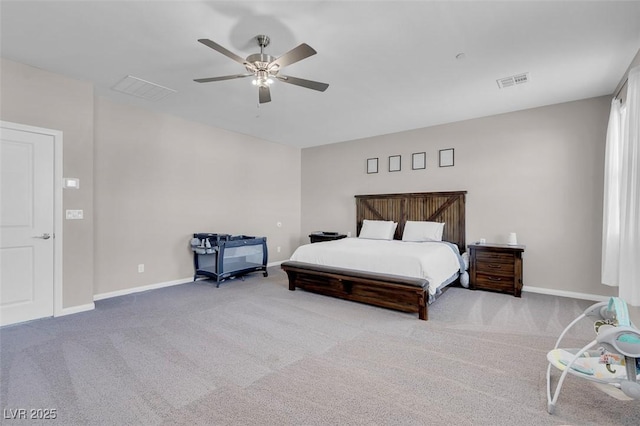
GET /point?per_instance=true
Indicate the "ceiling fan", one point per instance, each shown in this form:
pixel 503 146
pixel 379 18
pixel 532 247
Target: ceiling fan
pixel 265 68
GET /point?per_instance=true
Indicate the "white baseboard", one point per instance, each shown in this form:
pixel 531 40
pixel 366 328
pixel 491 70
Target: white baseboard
pixel 76 309
pixel 127 291
pixel 277 263
pixel 563 293
pixel 124 292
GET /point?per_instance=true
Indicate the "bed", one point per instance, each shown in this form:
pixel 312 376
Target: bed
pixel 365 281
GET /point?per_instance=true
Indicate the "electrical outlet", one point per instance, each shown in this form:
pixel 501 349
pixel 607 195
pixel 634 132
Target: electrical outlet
pixel 141 268
pixel 278 249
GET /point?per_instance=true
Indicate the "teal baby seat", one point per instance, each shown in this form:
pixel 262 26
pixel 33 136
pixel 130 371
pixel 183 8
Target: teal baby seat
pixel 611 361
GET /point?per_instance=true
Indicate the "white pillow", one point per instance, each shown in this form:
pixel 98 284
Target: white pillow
pixel 423 231
pixel 378 229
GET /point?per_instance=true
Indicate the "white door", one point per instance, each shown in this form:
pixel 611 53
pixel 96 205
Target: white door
pixel 26 225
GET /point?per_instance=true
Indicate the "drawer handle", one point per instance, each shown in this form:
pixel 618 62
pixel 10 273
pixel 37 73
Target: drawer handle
pixel 494 279
pixel 494 266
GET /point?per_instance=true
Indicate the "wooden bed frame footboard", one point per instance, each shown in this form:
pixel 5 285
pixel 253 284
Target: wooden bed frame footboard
pixel 388 291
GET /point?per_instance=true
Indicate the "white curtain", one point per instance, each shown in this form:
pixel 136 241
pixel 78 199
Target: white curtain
pixel 621 227
pixel 611 208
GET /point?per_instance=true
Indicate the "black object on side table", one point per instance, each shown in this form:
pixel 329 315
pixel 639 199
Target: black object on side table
pixel 224 256
pixel 320 236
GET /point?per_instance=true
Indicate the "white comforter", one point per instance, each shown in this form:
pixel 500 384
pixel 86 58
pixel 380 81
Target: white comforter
pixel 436 262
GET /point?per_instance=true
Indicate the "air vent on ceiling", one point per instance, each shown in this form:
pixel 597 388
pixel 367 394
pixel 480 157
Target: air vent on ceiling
pixel 513 80
pixel 142 89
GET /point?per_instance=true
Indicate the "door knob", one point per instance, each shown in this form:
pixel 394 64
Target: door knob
pixel 44 236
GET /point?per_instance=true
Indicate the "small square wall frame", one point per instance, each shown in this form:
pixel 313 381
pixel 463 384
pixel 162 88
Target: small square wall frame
pixel 372 165
pixel 419 160
pixel 446 157
pixel 395 163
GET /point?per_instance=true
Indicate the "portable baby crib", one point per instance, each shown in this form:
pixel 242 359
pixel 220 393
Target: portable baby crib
pixel 611 360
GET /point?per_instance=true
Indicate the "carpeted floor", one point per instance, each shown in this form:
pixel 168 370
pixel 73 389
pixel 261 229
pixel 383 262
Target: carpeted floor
pixel 253 353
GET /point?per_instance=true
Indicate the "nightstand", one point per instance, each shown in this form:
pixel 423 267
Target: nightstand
pixel 317 237
pixel 496 267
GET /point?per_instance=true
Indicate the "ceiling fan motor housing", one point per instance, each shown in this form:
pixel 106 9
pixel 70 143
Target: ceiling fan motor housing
pixel 260 61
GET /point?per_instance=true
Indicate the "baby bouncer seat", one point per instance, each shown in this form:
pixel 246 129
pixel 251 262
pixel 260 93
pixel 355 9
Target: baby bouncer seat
pixel 611 360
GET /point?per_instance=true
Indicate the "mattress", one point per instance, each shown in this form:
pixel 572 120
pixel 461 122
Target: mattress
pixel 437 262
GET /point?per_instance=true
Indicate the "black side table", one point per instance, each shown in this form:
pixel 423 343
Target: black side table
pixel 320 236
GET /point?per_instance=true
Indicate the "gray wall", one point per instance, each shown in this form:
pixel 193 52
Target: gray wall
pixel 537 172
pixel 154 180
pixel 39 98
pixel 160 178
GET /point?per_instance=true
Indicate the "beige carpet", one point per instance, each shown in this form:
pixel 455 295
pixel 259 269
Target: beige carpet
pixel 253 353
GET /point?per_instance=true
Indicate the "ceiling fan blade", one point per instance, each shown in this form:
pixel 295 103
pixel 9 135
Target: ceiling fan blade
pixel 264 94
pixel 294 55
pixel 224 77
pixel 309 84
pixel 215 46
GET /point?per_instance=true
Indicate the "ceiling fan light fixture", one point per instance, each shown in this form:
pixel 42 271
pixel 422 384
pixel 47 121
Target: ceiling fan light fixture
pixel 265 68
pixel 262 79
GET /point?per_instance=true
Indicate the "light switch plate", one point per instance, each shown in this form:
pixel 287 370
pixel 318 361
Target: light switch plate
pixel 71 183
pixel 75 214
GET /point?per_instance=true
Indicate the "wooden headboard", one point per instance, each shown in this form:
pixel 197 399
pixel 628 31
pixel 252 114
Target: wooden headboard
pixel 447 207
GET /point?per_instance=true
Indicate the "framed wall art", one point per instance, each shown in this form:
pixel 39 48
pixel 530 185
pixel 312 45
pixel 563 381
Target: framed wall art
pixel 395 163
pixel 446 157
pixel 372 165
pixel 419 160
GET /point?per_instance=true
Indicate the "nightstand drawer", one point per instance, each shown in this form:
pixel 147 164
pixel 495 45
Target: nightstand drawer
pixel 494 282
pixel 496 266
pixel 493 257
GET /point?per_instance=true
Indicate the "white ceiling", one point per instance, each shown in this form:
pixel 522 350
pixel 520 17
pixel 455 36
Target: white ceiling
pixel 391 65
